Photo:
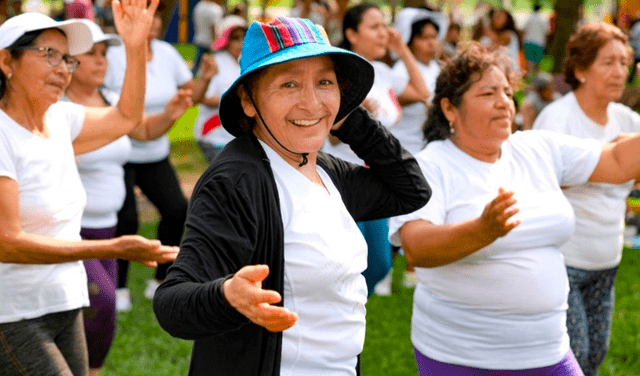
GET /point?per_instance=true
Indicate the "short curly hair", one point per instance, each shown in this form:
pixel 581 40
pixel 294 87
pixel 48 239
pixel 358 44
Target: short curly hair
pixel 583 47
pixel 456 77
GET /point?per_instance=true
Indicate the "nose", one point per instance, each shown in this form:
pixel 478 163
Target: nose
pixel 310 98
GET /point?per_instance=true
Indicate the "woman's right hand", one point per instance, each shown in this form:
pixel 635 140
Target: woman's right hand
pixel 244 292
pixel 146 252
pixel 494 220
pixel 133 19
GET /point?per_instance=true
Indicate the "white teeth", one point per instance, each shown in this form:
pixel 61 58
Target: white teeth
pixel 305 123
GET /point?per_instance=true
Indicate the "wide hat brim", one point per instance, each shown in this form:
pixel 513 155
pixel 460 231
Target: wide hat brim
pixel 355 77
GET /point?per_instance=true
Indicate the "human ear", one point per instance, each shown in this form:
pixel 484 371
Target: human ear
pixel 245 102
pixel 5 61
pixel 351 35
pixel 449 110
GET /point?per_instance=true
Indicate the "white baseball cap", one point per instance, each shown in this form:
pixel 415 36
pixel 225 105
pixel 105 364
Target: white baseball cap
pixel 78 34
pixel 97 35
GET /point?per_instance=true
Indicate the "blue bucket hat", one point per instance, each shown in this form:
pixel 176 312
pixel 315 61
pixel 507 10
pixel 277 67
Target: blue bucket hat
pixel 285 39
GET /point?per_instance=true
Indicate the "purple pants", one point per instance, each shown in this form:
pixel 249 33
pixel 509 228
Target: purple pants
pixel 568 366
pixel 100 317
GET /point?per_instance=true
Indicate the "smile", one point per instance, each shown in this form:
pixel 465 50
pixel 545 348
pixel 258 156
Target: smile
pixel 305 123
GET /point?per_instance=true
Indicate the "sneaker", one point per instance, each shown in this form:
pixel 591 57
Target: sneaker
pixel 152 286
pixel 123 299
pixel 383 288
pixel 409 280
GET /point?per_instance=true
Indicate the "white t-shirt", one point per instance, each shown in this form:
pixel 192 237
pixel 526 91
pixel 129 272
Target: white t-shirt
pixel 165 73
pixel 503 306
pixel 102 177
pixel 386 85
pixel 409 129
pixel 228 72
pixel 325 255
pixel 535 29
pixel 599 207
pixel 51 200
pixel 206 14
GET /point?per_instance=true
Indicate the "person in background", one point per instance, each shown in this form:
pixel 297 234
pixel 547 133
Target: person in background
pixel 504 33
pixel 596 66
pixel 43 284
pixel 149 167
pixel 634 41
pixel 102 175
pixel 492 286
pixel 420 29
pixel 535 39
pixel 451 40
pixel 207 16
pixel 80 9
pixel 208 133
pixel 366 33
pixel 542 93
pixel 269 279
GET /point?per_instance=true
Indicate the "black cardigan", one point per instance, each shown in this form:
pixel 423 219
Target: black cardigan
pixel 234 220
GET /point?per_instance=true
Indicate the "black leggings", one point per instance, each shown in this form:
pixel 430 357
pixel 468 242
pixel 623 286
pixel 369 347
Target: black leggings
pixel 158 181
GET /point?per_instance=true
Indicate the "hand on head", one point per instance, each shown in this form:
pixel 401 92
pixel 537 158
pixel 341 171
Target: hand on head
pixel 244 293
pixel 395 44
pixel 133 20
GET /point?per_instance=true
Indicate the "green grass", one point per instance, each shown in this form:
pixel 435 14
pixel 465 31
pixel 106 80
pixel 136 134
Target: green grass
pixel 141 347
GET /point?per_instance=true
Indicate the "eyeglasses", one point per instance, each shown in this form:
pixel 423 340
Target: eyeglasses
pixel 55 57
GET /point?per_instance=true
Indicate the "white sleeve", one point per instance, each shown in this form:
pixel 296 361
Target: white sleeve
pixel 74 115
pixel 434 211
pixel 7 158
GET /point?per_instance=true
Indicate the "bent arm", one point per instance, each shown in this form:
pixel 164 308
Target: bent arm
pixel 416 89
pixel 19 247
pixel 156 125
pixel 619 161
pixel 104 125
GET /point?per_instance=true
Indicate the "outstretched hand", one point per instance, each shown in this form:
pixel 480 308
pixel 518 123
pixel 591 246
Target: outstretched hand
pixel 178 104
pixel 147 252
pixel 244 293
pixel 495 218
pixel 133 19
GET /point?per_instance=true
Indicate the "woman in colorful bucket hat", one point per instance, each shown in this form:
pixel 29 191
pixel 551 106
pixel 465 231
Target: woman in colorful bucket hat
pixel 43 284
pixel 268 280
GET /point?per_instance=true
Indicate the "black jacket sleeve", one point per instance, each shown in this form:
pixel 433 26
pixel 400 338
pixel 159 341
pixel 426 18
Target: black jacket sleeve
pixel 393 183
pixel 220 238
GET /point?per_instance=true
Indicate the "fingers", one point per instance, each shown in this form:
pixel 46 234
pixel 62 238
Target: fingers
pixel 254 273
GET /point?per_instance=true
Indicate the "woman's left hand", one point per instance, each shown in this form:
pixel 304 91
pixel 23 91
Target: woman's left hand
pixel 133 19
pixel 178 104
pixel 396 44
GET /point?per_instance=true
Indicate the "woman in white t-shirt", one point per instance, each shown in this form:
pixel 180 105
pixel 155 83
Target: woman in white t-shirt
pixel 43 284
pixel 492 287
pixel 597 67
pixel 149 167
pixel 102 175
pixel 366 33
pixel 208 133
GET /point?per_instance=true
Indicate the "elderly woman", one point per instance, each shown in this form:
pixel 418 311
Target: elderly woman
pixel 102 175
pixel 492 287
pixel 596 67
pixel 43 285
pixel 269 280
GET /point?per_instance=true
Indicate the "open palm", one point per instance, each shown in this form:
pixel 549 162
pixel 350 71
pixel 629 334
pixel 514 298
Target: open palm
pixel 133 19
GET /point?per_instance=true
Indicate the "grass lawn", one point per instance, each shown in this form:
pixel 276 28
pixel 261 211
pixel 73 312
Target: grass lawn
pixel 142 348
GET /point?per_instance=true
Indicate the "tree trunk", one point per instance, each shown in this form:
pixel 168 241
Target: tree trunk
pixel 567 12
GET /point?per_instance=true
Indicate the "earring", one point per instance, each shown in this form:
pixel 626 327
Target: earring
pixel 582 80
pixel 9 75
pixel 452 130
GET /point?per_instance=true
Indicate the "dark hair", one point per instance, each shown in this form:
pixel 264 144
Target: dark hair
pixel 583 46
pixel 26 40
pixel 352 20
pixel 418 27
pixel 456 77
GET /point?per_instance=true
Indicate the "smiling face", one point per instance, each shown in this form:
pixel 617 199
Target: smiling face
pixel 34 77
pixel 483 120
pixel 93 66
pixel 298 100
pixel 606 77
pixel 371 38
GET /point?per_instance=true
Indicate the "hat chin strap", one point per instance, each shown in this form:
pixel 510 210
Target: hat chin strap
pixel 303 155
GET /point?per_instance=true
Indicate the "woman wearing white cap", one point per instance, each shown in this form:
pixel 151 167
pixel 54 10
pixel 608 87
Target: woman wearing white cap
pixel 102 175
pixel 210 136
pixel 43 285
